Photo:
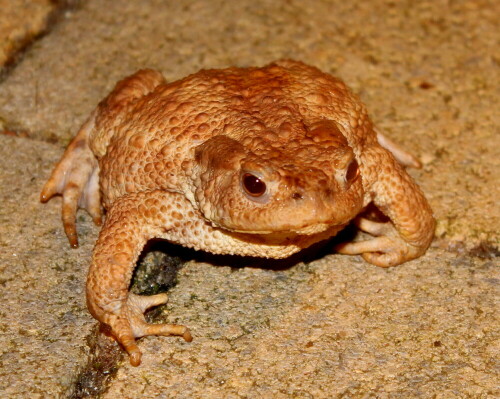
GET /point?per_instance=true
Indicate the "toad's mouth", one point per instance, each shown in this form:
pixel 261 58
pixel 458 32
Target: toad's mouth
pixel 307 230
pixel 302 238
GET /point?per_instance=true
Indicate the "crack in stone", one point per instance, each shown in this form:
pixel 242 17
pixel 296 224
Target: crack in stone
pixel 156 272
pixel 101 367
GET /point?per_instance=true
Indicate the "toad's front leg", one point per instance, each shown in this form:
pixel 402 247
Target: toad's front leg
pixel 130 222
pixel 411 227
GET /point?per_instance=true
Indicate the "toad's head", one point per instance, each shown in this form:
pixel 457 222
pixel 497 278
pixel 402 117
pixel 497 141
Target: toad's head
pixel 294 179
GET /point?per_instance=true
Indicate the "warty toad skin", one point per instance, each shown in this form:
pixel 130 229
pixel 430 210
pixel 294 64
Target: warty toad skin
pixel 248 161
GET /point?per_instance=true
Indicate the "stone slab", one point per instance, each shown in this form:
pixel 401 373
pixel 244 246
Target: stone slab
pixel 335 327
pixel 44 323
pixel 20 23
pixel 428 72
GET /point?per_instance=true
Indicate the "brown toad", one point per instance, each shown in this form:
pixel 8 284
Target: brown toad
pixel 249 161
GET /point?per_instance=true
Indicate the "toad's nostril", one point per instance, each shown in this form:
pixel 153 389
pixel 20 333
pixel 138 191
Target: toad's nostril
pixel 297 196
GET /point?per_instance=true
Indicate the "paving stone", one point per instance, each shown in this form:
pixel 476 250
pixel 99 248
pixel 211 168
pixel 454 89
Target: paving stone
pixel 336 327
pixel 421 83
pixel 44 323
pixel 21 21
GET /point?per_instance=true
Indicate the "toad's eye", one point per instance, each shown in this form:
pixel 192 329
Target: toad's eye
pixel 352 172
pixel 253 185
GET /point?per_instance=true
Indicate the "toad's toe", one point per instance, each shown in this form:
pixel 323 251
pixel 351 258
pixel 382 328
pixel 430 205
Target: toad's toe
pixel 131 324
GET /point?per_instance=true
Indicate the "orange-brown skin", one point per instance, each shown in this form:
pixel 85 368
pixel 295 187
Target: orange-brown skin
pixel 248 161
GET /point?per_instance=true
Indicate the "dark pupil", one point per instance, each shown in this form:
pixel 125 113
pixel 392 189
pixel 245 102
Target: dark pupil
pixel 253 185
pixel 352 171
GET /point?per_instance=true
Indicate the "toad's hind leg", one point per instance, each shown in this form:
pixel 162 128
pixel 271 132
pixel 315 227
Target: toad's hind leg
pixel 76 178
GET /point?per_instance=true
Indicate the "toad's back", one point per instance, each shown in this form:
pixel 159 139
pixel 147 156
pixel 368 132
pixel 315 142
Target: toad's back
pixel 145 137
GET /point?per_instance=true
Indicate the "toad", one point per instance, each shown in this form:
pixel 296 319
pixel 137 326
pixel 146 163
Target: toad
pixel 249 161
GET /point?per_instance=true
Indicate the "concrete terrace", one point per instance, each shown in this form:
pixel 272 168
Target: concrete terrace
pixel 319 326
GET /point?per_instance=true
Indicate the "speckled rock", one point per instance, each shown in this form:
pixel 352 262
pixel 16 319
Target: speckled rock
pixel 428 73
pixel 331 328
pixel 21 21
pixel 43 318
pixel 421 84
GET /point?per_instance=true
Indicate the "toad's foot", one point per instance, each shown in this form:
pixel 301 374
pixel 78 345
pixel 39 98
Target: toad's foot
pixel 385 250
pixel 76 178
pixel 131 324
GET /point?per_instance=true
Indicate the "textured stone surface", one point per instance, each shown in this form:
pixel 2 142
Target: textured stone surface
pixel 332 328
pixel 43 318
pixel 428 72
pixel 21 21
